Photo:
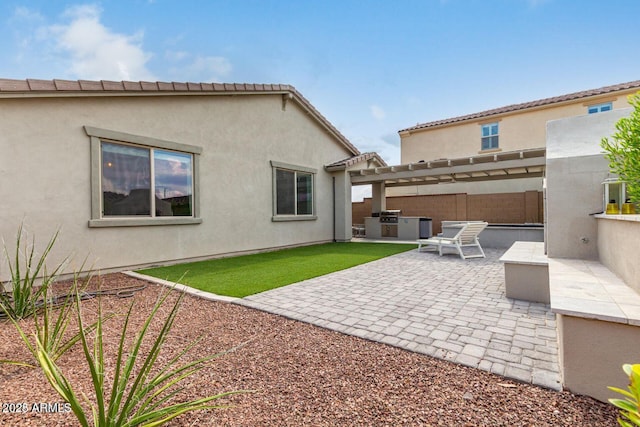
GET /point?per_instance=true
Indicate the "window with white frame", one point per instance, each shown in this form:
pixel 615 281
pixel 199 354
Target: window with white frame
pixel 293 192
pixel 599 108
pixel 489 136
pixel 141 181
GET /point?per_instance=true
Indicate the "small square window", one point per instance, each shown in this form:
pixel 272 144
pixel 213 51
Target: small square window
pixel 489 136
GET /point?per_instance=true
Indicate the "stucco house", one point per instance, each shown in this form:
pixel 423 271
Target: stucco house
pixel 509 128
pixel 506 195
pixel 144 173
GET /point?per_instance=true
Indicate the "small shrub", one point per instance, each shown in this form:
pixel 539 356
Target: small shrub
pixel 623 151
pixel 630 406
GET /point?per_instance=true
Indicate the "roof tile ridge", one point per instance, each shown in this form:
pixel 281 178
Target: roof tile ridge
pixel 527 104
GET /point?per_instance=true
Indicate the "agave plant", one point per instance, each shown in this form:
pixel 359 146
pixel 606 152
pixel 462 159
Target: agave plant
pixel 140 392
pixel 50 328
pixel 629 407
pixel 29 281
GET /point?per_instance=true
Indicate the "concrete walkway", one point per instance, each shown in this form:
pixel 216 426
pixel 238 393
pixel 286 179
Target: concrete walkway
pixel 444 307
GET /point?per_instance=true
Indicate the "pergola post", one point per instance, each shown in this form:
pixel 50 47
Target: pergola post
pixel 378 197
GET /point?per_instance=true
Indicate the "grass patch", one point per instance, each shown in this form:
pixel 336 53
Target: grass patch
pixel 249 274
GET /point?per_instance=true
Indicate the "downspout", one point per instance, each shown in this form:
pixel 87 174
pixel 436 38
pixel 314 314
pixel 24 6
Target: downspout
pixel 334 208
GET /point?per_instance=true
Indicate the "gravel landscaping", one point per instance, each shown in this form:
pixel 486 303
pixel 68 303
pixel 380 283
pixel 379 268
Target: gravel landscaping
pixel 299 374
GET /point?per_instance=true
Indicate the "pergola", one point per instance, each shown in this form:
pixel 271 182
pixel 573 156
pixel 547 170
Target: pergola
pixel 529 163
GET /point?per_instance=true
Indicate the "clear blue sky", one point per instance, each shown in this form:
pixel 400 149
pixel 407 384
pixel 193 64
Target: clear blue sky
pixel 371 67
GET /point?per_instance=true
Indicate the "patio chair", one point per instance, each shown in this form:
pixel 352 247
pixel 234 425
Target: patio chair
pixel 466 237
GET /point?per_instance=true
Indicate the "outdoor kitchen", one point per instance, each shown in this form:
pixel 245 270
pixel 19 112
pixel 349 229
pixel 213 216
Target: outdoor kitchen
pixel 392 225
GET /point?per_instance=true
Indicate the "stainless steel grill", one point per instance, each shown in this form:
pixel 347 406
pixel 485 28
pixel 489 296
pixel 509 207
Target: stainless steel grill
pixel 390 217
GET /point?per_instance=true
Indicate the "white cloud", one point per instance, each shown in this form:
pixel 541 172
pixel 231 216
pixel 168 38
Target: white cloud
pixel 96 52
pixel 215 67
pixel 198 68
pixel 377 112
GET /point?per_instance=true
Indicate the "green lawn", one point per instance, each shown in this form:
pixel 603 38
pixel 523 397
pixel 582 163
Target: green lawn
pixel 249 274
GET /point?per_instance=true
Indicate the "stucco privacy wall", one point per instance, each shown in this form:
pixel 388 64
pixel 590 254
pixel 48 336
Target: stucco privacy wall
pixel 45 171
pixel 575 171
pixel 510 208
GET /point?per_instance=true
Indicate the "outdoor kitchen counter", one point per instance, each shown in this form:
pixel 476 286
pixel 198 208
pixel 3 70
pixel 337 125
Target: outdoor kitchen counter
pixel 407 228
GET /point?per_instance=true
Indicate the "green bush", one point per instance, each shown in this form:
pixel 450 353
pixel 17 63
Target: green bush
pixel 623 151
pixel 630 406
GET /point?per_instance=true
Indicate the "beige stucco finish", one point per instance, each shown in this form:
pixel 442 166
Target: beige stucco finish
pixel 592 353
pixel 575 171
pixel 619 246
pixel 517 130
pixel 45 171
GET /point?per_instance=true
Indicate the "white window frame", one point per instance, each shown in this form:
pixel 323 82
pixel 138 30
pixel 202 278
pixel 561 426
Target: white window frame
pixel 97 136
pixel 490 136
pixel 275 166
pixel 599 108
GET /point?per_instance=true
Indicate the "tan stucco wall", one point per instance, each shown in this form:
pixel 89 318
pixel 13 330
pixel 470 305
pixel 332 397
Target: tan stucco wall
pixel 619 246
pixel 520 130
pixel 45 174
pixel 592 353
pixel 575 171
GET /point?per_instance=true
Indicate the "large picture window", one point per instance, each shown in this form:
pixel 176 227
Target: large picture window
pixel 142 181
pixel 293 192
pixel 128 182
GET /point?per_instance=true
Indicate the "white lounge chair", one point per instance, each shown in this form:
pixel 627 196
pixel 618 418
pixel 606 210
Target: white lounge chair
pixel 466 237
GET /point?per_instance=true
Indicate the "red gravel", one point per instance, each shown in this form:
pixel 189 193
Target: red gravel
pixel 301 375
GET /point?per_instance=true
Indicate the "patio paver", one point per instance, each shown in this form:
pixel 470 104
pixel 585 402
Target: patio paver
pixel 444 307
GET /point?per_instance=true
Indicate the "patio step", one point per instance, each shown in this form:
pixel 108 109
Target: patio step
pixel 526 272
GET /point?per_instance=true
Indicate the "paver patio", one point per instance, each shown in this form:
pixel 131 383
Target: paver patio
pixel 444 307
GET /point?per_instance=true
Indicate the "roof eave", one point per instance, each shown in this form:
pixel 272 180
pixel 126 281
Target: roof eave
pixel 34 88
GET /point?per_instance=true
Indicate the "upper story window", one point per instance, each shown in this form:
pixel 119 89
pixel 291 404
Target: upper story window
pixel 599 108
pixel 294 192
pixel 489 136
pixel 137 180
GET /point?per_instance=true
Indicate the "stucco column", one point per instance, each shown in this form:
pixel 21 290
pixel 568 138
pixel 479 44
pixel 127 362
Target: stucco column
pixel 342 208
pixel 378 198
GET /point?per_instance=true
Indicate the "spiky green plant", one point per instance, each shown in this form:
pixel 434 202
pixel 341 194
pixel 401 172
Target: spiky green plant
pixel 140 392
pixel 50 326
pixel 630 406
pixel 29 281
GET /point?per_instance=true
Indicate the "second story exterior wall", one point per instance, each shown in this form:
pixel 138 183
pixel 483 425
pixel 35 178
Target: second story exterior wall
pixel 519 126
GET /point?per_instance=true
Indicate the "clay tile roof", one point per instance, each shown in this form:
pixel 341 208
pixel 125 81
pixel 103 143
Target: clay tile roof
pixel 41 85
pixel 149 86
pixel 350 161
pixel 165 86
pixel 66 84
pixel 115 86
pixel 532 104
pixel 13 85
pixel 90 85
pixel 132 86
